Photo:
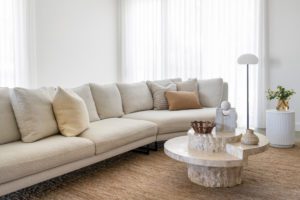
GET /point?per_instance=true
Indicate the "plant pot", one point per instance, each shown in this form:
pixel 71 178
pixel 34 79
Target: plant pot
pixel 282 105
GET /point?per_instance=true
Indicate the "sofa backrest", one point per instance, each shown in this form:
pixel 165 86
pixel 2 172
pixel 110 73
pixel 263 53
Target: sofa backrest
pixel 85 93
pixel 9 131
pixel 211 92
pixel 108 100
pixel 135 97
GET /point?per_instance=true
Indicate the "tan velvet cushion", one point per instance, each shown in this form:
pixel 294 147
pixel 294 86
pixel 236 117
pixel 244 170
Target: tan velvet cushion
pixel 70 112
pixel 180 100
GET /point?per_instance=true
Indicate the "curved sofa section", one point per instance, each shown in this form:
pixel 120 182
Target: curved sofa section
pixel 25 164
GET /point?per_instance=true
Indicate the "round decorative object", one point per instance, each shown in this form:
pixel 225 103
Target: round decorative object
pixel 225 105
pixel 203 127
pixel 249 138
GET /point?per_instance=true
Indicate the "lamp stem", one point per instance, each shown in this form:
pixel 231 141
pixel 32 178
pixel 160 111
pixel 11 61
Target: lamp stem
pixel 247 96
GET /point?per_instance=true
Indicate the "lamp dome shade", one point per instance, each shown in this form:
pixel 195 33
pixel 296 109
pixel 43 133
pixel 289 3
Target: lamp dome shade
pixel 247 59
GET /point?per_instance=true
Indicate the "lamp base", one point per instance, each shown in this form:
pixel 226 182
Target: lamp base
pixel 249 138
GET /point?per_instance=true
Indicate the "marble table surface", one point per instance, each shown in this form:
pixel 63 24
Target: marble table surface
pixel 236 154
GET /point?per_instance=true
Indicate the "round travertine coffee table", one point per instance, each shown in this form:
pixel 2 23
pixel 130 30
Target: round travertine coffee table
pixel 214 160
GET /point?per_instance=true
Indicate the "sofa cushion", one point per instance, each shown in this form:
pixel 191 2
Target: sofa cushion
pixel 164 82
pixel 174 121
pixel 158 93
pixel 210 92
pixel 20 159
pixel 34 113
pixel 108 100
pixel 112 133
pixel 9 131
pixel 181 100
pixel 135 97
pixel 85 93
pixel 70 112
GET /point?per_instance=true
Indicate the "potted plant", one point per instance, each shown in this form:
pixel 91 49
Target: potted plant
pixel 282 95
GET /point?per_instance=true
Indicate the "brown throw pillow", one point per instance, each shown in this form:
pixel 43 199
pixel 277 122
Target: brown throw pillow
pixel 180 100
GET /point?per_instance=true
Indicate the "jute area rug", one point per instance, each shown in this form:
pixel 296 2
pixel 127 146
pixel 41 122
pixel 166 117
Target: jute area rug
pixel 274 174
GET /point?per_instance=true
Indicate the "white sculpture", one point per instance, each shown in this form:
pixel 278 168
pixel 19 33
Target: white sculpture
pixel 226 118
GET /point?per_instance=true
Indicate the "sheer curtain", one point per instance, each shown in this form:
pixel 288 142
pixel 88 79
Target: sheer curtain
pixel 195 38
pixel 14 55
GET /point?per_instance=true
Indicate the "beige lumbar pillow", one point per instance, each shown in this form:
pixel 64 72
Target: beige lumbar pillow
pixel 180 100
pixel 70 112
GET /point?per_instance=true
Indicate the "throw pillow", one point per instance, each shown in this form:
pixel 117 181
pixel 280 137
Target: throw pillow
pixel 85 93
pixel 135 97
pixel 108 100
pixel 188 86
pixel 70 112
pixel 158 92
pixel 180 100
pixel 34 113
pixel 164 82
pixel 210 92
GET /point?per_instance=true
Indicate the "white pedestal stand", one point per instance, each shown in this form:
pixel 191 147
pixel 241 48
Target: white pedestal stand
pixel 280 128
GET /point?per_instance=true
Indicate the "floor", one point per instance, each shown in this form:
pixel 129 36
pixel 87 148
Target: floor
pixel 274 174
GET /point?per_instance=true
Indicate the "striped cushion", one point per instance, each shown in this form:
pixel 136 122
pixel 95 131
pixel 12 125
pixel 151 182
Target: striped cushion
pixel 158 92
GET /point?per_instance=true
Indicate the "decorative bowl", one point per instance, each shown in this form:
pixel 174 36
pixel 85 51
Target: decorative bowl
pixel 203 127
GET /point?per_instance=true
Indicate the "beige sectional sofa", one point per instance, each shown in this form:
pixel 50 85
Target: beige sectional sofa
pixel 121 119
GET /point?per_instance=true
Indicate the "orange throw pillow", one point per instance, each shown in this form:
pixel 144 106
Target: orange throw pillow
pixel 181 100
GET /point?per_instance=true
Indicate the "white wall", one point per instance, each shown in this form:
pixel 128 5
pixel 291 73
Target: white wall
pixel 284 48
pixel 76 42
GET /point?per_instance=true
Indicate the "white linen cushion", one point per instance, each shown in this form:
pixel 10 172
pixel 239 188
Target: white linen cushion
pixel 158 93
pixel 210 92
pixel 173 121
pixel 70 112
pixel 34 113
pixel 188 86
pixel 112 133
pixel 135 97
pixel 20 159
pixel 164 82
pixel 108 100
pixel 85 93
pixel 9 131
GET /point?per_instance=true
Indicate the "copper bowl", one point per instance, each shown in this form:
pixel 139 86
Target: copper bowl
pixel 203 127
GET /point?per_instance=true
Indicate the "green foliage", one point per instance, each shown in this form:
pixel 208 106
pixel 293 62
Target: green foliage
pixel 280 93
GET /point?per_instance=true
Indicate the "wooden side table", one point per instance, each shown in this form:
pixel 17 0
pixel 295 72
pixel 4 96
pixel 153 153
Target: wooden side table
pixel 280 128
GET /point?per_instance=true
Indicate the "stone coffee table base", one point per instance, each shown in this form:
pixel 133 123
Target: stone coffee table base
pixel 215 176
pixel 214 169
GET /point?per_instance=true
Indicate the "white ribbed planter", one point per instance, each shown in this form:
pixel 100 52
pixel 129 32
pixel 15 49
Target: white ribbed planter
pixel 280 128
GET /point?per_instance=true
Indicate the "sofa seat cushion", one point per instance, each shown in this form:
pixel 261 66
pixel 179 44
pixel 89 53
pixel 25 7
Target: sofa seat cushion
pixel 174 121
pixel 19 159
pixel 112 133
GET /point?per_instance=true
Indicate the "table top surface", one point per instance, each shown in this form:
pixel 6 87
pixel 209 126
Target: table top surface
pixel 235 154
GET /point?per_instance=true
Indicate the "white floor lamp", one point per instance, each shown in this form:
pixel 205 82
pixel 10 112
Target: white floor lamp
pixel 248 59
